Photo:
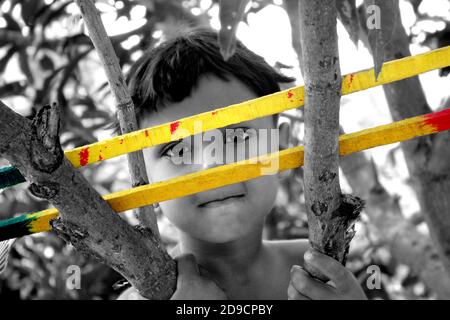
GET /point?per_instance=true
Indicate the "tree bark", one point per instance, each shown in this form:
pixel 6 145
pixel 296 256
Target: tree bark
pixel 407 245
pixel 86 220
pixel 426 157
pixel 331 215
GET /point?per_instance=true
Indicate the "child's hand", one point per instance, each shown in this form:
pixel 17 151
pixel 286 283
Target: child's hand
pixel 193 286
pixel 302 286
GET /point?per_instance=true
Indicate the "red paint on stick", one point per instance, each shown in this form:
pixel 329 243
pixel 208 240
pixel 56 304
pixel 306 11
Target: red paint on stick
pixel 146 133
pixel 290 94
pixel 440 120
pixel 174 126
pixel 84 156
pixel 214 113
pixel 350 81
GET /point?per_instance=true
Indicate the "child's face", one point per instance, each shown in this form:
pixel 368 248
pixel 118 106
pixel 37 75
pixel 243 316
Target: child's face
pixel 218 215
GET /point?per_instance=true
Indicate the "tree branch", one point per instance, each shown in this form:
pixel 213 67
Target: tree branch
pixel 14 37
pixel 426 157
pixel 331 215
pixel 86 220
pixel 124 104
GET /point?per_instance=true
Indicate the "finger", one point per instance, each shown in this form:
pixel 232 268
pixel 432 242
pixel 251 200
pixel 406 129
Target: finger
pixel 187 265
pixel 310 287
pixel 330 267
pixel 293 294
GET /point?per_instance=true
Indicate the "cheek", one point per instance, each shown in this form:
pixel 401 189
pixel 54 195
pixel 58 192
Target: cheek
pixel 262 192
pixel 178 211
pixel 164 169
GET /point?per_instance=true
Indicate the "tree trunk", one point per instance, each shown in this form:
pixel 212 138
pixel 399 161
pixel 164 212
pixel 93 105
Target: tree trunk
pixel 331 215
pixel 407 245
pixel 426 157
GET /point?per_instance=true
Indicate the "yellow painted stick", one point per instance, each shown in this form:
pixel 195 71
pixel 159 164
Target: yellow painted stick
pixel 237 172
pixel 248 110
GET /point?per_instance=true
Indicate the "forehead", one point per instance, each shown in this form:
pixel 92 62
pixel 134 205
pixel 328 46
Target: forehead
pixel 211 93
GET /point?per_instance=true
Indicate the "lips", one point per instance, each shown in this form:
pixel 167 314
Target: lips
pixel 221 201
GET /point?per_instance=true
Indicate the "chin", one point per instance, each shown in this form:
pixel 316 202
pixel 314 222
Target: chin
pixel 221 237
pixel 233 228
pixel 221 222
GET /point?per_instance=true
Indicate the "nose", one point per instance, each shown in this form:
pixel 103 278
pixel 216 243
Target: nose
pixel 213 149
pixel 224 148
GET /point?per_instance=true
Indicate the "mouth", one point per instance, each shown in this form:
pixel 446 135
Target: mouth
pixel 222 201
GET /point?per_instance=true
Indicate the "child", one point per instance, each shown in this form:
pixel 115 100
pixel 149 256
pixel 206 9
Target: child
pixel 221 254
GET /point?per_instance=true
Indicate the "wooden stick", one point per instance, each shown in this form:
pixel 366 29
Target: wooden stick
pixel 331 215
pixel 264 106
pixel 237 172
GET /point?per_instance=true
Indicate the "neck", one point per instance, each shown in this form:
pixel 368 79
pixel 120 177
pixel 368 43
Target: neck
pixel 226 260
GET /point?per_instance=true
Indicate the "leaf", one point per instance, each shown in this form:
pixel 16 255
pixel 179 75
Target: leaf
pixel 42 94
pixel 292 9
pixel 231 12
pixel 348 14
pixel 381 18
pixel 76 41
pixel 55 14
pixel 11 24
pixel 95 114
pixel 25 66
pixel 125 11
pixel 29 10
pixel 5 247
pixel 46 63
pixel 70 67
pixel 5 59
pixel 12 89
pixel 443 40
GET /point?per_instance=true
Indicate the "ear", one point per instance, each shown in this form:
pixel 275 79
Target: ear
pixel 284 143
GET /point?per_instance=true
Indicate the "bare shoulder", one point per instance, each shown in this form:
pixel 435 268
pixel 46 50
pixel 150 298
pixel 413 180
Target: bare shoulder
pixel 290 250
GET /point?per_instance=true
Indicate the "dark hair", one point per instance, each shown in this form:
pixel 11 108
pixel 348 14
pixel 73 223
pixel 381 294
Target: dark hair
pixel 170 71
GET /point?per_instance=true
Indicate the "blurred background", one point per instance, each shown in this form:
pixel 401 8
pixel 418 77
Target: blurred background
pixel 45 56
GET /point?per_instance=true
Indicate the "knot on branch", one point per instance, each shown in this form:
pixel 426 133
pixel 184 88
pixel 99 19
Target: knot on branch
pixel 73 234
pixel 46 151
pixel 339 230
pixel 150 235
pixel 45 190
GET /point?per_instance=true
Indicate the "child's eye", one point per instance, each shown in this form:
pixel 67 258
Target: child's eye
pixel 176 150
